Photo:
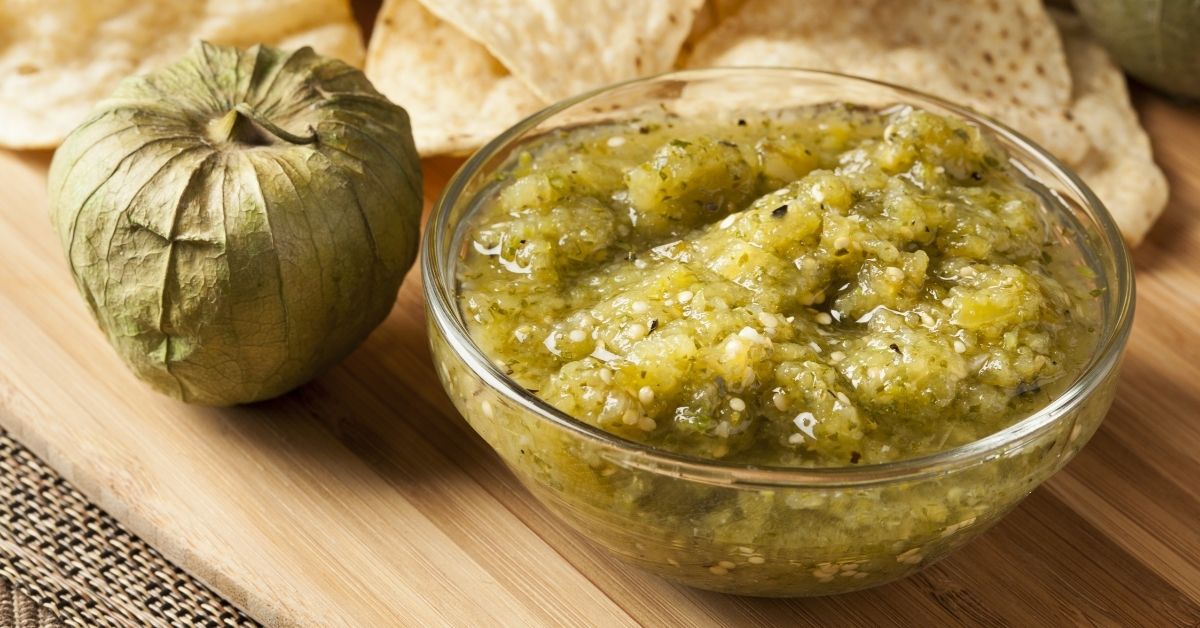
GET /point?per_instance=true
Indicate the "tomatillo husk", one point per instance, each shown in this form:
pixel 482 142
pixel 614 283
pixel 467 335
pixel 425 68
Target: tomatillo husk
pixel 239 221
pixel 1154 40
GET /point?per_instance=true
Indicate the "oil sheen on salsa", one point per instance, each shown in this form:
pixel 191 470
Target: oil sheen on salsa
pixel 822 286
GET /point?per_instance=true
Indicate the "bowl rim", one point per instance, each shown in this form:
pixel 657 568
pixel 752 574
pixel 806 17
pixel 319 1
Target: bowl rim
pixel 442 309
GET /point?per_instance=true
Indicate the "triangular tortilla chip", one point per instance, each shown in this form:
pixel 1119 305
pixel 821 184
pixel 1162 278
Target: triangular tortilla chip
pixel 560 48
pixel 457 94
pixel 1119 167
pixel 1004 59
pixel 57 59
pixel 712 13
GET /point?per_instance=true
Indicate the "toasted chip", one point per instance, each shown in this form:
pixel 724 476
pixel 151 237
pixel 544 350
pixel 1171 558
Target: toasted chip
pixel 563 47
pixel 58 58
pixel 1002 58
pixel 457 94
pixel 1119 166
pixel 711 13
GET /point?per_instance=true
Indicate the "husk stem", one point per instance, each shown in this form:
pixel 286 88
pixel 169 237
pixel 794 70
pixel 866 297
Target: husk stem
pixel 244 125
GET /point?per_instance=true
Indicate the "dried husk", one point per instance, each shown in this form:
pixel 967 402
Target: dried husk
pixel 1155 40
pixel 238 221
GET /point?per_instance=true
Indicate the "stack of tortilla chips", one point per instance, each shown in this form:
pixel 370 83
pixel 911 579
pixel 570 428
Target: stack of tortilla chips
pixel 59 58
pixel 468 69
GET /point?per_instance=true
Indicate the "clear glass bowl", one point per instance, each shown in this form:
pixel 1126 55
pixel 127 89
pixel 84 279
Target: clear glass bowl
pixel 753 530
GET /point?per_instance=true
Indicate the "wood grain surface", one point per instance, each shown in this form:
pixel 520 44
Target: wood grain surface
pixel 363 499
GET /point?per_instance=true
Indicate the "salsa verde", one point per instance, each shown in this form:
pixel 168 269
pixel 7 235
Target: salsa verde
pixel 822 286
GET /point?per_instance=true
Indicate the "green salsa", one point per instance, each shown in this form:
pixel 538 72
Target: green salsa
pixel 822 286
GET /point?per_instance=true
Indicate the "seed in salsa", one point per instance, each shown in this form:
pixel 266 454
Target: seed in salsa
pixel 812 287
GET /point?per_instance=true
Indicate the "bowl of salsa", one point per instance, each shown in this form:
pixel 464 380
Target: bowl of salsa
pixel 775 332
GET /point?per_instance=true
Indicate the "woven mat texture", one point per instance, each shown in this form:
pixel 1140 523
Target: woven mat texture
pixel 20 611
pixel 63 561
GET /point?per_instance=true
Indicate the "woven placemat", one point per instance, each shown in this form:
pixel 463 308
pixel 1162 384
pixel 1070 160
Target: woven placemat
pixel 63 561
pixel 20 611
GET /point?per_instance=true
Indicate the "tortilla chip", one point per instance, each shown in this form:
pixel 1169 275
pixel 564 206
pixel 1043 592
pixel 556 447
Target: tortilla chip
pixel 560 48
pixel 712 13
pixel 1119 167
pixel 59 58
pixel 457 94
pixel 1004 59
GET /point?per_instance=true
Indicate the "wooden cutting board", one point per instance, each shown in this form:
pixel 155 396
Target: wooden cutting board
pixel 363 499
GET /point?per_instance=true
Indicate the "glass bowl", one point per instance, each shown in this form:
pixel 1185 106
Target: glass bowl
pixel 755 530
